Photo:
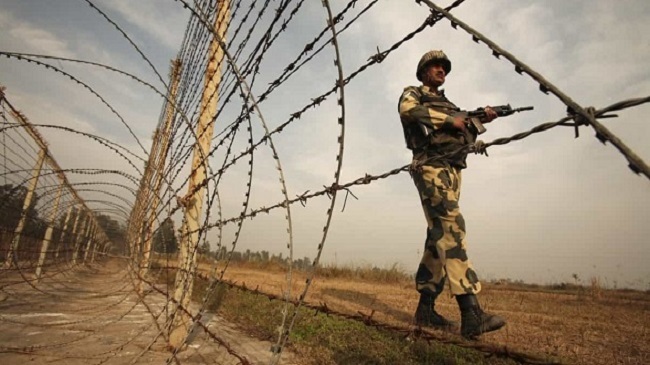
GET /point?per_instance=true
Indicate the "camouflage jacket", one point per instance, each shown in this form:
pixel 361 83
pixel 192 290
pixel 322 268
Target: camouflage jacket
pixel 428 127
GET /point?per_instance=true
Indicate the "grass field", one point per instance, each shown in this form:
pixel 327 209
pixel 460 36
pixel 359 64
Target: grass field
pixel 563 323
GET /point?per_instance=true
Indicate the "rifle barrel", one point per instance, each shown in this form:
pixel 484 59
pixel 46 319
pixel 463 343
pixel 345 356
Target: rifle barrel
pixel 523 109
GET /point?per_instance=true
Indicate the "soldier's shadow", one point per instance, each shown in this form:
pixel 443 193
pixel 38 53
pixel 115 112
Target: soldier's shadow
pixel 369 301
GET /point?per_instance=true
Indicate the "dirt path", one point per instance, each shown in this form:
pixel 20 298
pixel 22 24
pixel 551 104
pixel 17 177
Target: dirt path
pixel 93 316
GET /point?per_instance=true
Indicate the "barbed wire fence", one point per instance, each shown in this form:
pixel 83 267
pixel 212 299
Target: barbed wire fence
pixel 50 232
pixel 37 199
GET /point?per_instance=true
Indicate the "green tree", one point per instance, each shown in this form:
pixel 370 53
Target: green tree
pixel 11 208
pixel 204 249
pixel 115 231
pixel 164 240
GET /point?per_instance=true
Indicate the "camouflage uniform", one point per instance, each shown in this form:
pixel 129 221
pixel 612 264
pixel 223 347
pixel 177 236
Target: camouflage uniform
pixel 441 156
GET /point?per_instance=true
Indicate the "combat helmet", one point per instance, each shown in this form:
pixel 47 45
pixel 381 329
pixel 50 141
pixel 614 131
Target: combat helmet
pixel 433 56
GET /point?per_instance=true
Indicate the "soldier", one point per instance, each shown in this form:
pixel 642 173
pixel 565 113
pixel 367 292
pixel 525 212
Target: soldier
pixel 439 139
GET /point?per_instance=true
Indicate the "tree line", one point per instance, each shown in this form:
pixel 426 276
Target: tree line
pixel 165 241
pixel 12 199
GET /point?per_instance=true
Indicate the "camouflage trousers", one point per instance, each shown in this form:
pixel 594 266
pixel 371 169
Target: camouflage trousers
pixel 444 255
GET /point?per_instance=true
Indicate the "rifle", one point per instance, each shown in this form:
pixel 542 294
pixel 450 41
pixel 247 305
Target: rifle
pixel 473 121
pixel 473 118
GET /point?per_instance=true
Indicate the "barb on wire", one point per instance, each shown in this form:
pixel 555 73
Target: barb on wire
pixel 68 224
pixel 636 164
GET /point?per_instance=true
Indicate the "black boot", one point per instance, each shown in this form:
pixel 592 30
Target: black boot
pixel 426 315
pixel 474 321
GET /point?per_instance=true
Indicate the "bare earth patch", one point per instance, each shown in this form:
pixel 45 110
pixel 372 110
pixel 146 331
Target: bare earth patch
pixel 94 316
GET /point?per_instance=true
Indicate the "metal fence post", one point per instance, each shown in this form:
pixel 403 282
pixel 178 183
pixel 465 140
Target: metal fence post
pixel 91 239
pixel 26 204
pixel 66 221
pixel 157 163
pixel 73 235
pixel 48 233
pixel 80 237
pixel 194 199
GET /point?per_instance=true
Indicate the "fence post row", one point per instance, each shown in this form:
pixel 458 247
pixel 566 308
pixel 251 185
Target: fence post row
pixel 75 236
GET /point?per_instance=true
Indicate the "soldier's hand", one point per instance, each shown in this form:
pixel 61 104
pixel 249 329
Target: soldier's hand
pixel 459 123
pixel 490 114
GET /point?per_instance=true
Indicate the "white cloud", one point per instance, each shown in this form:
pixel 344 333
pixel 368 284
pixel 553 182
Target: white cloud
pixel 51 113
pixel 151 18
pixel 30 38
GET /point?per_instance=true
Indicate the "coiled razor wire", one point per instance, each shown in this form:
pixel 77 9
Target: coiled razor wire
pixel 582 115
pixel 284 332
pixel 244 56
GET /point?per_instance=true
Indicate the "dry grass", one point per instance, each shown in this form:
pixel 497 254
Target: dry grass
pixel 394 274
pixel 582 325
pixel 578 324
pixel 320 339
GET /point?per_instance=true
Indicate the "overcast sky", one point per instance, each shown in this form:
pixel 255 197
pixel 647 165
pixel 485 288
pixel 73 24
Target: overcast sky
pixel 541 209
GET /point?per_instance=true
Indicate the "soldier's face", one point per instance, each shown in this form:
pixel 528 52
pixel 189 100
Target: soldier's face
pixel 434 75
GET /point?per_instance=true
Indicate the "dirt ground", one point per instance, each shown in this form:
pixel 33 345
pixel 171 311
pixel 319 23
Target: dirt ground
pixel 92 315
pixel 591 326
